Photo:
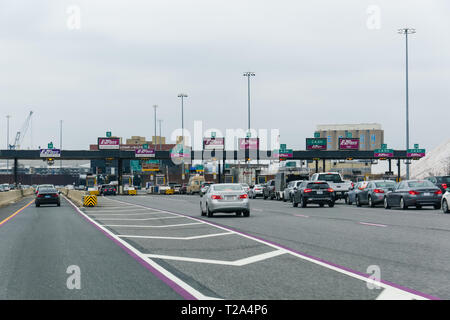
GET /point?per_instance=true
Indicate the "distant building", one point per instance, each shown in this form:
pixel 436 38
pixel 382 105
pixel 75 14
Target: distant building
pixel 370 135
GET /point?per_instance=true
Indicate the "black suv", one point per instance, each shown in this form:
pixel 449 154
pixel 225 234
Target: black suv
pixel 318 192
pixel 442 182
pixel 269 190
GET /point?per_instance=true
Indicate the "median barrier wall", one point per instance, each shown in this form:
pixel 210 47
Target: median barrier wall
pixel 14 195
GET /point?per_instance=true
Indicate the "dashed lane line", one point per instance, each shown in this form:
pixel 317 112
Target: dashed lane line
pixel 178 238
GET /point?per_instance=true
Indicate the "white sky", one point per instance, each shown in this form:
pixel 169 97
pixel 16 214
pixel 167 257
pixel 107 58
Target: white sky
pixel 316 62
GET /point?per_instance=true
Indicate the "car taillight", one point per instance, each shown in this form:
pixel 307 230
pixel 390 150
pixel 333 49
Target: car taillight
pixel 444 186
pixel 39 195
pixel 307 190
pixel 216 197
pixel 243 196
pixel 114 190
pixel 330 190
pixel 378 191
pixel 413 192
pixel 55 195
pixel 438 192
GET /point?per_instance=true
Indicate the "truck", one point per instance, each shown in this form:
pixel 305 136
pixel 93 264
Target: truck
pixel 282 178
pixel 334 179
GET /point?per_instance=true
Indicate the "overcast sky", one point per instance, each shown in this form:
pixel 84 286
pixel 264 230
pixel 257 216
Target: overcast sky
pixel 316 62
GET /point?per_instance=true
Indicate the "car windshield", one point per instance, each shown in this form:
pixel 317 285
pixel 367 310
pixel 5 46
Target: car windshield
pixel 318 185
pixel 228 187
pixel 420 184
pixel 330 177
pixel 385 184
pixel 47 190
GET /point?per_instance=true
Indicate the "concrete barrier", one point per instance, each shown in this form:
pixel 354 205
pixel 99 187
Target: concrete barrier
pixel 14 195
pixel 76 196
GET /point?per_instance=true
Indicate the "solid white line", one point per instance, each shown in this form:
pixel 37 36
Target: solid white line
pixel 373 224
pixel 164 226
pixel 393 294
pixel 303 257
pixel 197 294
pixel 123 214
pixel 177 238
pixel 143 219
pixel 239 263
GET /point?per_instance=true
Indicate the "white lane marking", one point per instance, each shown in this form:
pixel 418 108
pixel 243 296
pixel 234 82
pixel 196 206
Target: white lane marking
pixel 255 209
pixel 394 294
pixel 123 214
pixel 301 215
pixel 141 219
pixel 197 294
pixel 163 226
pixel 301 256
pixel 118 211
pixel 178 238
pixel 239 263
pixel 372 224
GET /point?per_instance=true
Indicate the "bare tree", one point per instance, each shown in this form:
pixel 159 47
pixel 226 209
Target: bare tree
pixel 447 166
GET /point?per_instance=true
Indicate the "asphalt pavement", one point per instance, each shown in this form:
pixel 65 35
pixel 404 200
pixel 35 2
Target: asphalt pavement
pixel 159 247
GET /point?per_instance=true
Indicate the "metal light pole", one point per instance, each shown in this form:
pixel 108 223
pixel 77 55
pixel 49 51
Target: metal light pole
pixel 154 107
pixel 7 141
pixel 182 96
pixel 60 143
pixel 248 75
pixel 407 31
pixel 159 120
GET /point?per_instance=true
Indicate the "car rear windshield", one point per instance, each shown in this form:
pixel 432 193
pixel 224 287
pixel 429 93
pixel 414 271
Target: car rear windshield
pixel 444 179
pixel 228 187
pixel 385 184
pixel 318 185
pixel 330 177
pixel 421 184
pixel 47 190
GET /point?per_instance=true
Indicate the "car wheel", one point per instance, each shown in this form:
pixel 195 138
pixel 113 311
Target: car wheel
pixel 284 199
pixel 264 197
pixel 238 213
pixel 403 204
pixel 386 203
pixel 208 212
pixel 58 204
pixel 246 213
pixel 37 205
pixel 302 203
pixel 358 202
pixel 346 199
pixel 370 201
pixel 201 210
pixel 418 206
pixel 294 204
pixel 445 208
pixel 437 206
pixel 331 204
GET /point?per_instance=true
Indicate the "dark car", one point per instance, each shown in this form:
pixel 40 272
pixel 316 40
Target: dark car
pixel 269 190
pixel 183 189
pixel 318 192
pixel 416 193
pixel 350 195
pixel 47 196
pixel 373 193
pixel 442 182
pixel 108 190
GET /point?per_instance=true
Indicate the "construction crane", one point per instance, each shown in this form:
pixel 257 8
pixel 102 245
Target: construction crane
pixel 21 133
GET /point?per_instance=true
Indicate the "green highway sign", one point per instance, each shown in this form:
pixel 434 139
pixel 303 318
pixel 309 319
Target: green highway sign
pixel 384 146
pixel 283 146
pixel 316 134
pixel 383 153
pixel 349 135
pixel 416 146
pixel 145 146
pixel 316 143
pixel 213 134
pixel 50 145
pixel 108 134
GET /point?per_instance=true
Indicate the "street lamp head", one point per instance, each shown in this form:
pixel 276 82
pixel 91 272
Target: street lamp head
pixel 155 106
pixel 406 31
pixel 182 95
pixel 249 74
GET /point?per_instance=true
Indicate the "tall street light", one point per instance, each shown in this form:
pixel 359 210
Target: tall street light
pixel 407 31
pixel 182 96
pixel 7 141
pixel 248 75
pixel 155 106
pixel 60 143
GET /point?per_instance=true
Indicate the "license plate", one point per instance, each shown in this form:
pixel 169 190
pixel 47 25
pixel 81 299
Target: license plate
pixel 319 192
pixel 230 197
pixel 426 194
pixel 47 197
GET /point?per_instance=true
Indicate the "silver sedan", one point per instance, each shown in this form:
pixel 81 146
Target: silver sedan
pixel 226 197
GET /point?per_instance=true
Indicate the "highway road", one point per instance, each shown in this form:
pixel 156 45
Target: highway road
pixel 159 247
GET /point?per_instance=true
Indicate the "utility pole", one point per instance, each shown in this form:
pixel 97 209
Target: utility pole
pixel 182 96
pixel 60 144
pixel 407 31
pixel 7 141
pixel 248 75
pixel 160 121
pixel 154 107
